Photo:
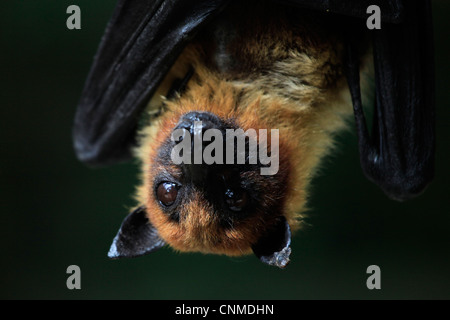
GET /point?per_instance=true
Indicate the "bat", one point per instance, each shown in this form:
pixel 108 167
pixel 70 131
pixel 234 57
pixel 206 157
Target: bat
pixel 193 73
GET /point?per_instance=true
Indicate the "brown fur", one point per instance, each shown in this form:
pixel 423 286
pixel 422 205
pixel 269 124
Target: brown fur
pixel 283 74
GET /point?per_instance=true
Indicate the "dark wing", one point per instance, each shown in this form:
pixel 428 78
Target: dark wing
pixel 399 156
pixel 141 42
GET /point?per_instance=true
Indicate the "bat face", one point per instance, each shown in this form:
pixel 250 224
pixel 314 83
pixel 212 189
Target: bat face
pixel 212 208
pixel 249 108
pixel 281 98
pixel 229 205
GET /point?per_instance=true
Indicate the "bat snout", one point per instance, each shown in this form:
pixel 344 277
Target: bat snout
pixel 195 133
pixel 210 193
pixel 205 120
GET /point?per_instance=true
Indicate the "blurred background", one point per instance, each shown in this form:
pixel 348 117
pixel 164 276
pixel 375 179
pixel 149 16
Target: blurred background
pixel 56 212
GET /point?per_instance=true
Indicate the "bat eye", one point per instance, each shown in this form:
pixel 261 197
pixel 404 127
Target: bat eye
pixel 167 192
pixel 236 200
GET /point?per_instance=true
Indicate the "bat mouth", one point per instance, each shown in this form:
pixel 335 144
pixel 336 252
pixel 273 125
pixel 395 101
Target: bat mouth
pixel 199 157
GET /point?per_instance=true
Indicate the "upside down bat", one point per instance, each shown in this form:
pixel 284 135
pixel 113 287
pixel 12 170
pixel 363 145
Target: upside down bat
pixel 292 65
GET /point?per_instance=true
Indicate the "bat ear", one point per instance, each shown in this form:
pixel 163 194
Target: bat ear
pixel 273 248
pixel 136 237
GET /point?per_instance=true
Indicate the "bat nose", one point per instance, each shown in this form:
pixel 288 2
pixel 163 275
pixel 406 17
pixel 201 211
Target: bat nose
pixel 195 120
pixel 196 124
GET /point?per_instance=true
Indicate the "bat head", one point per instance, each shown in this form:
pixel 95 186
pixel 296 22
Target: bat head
pixel 214 181
pixel 227 164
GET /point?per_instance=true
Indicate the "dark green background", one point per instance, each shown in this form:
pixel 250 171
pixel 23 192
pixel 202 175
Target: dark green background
pixel 56 212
